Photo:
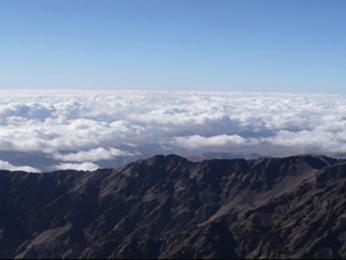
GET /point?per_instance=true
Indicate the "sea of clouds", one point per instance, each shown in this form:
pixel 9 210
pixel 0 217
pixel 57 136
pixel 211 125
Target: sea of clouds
pixel 84 130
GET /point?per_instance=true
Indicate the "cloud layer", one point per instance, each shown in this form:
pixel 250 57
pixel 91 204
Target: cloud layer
pixel 9 167
pixel 88 129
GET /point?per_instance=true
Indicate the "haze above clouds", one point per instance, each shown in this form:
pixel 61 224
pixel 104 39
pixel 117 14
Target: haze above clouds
pixel 85 130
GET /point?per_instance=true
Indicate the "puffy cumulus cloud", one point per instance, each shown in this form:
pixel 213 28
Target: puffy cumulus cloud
pixel 103 128
pixel 86 166
pixel 9 167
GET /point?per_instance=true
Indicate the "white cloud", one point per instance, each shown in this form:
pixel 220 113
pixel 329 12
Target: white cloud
pixel 197 141
pixel 89 127
pixel 9 167
pixel 86 166
pixel 93 155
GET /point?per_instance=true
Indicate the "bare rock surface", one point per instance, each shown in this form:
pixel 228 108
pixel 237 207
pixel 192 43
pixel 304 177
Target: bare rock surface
pixel 168 206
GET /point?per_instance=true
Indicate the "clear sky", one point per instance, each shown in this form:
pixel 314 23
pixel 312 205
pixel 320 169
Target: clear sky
pixel 292 45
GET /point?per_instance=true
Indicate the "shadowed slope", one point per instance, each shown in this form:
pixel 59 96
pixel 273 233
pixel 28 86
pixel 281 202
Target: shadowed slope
pixel 167 206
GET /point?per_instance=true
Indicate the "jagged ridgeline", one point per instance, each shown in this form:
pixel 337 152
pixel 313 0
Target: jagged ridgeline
pixel 167 206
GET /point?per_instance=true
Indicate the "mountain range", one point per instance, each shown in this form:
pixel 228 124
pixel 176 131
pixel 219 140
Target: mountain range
pixel 168 206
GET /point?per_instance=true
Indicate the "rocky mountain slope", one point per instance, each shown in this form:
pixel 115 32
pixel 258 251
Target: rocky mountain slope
pixel 167 206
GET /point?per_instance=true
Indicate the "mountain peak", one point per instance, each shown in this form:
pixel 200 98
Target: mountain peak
pixel 165 158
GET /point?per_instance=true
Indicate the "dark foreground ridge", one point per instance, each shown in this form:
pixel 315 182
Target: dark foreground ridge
pixel 167 206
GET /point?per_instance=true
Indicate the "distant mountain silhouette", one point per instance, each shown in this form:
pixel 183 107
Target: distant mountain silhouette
pixel 168 206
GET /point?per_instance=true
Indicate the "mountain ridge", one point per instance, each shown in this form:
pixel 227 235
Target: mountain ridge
pixel 168 206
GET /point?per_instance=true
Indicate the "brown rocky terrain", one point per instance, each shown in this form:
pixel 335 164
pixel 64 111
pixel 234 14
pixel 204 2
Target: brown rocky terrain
pixel 167 206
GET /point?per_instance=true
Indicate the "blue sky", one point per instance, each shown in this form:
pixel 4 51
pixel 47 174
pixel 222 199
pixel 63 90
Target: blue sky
pixel 290 46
